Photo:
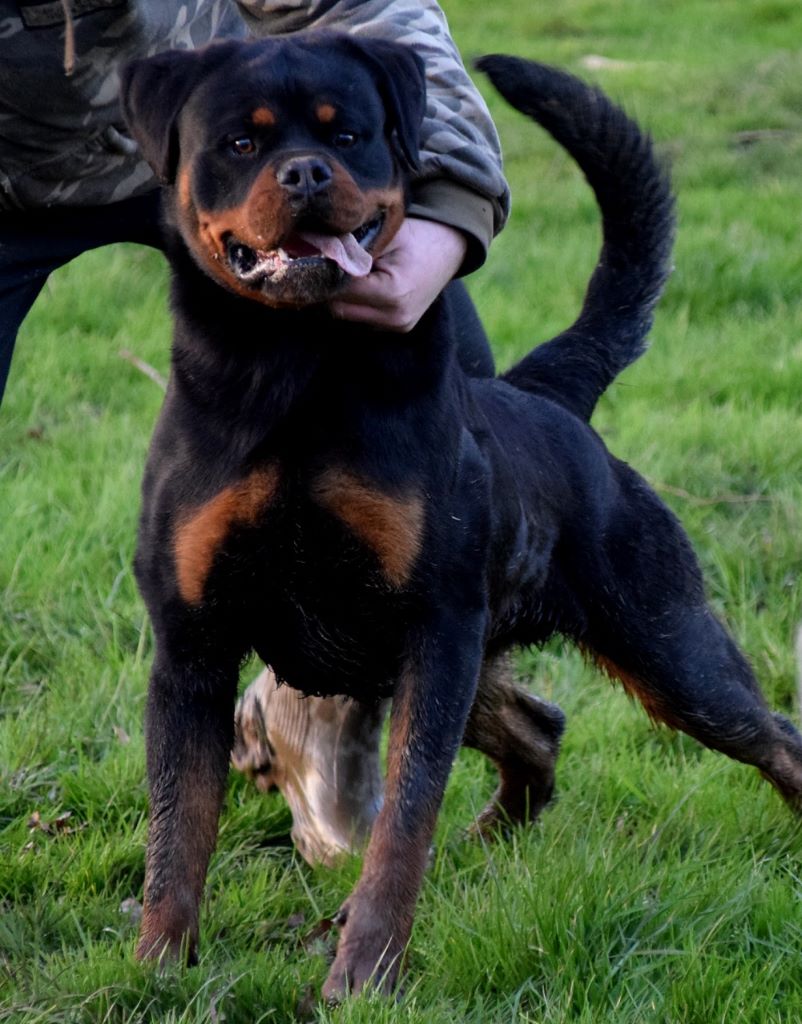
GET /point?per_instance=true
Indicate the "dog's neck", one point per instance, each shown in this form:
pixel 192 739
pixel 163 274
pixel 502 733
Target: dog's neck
pixel 290 369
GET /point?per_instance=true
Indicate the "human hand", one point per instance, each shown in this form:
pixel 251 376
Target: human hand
pixel 406 278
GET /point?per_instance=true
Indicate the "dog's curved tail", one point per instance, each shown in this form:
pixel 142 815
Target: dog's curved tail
pixel 637 207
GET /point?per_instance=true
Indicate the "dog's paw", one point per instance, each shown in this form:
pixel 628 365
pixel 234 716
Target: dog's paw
pixel 369 953
pixel 491 823
pixel 166 953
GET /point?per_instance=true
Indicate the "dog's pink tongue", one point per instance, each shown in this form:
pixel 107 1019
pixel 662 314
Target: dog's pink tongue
pixel 343 249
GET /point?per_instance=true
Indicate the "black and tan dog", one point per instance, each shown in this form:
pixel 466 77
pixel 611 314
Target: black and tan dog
pixel 358 511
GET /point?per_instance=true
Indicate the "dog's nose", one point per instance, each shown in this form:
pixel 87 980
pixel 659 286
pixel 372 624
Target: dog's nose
pixel 304 176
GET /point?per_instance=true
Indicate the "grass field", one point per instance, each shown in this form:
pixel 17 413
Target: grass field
pixel 665 885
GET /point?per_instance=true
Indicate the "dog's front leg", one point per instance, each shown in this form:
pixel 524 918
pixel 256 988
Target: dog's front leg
pixel 430 708
pixel 189 732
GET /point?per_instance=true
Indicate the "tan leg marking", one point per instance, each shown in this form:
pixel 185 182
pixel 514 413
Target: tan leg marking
pixel 655 706
pixel 200 534
pixel 179 848
pixel 391 527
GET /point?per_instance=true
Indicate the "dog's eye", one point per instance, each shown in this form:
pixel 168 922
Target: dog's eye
pixel 242 145
pixel 344 140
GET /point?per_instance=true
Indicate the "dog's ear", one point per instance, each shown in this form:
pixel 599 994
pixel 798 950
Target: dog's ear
pixel 400 75
pixel 153 91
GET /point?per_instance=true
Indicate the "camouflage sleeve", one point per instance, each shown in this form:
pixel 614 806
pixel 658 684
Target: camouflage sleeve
pixel 461 182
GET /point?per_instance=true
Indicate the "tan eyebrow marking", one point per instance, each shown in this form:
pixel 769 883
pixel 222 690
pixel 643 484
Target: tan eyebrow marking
pixel 326 113
pixel 263 116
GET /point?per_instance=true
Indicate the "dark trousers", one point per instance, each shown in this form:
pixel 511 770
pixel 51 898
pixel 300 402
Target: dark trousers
pixel 34 244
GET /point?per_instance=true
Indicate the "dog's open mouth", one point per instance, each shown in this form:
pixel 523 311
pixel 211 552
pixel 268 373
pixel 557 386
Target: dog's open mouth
pixel 304 250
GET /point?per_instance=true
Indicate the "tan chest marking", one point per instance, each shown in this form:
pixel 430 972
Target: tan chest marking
pixel 392 527
pixel 202 531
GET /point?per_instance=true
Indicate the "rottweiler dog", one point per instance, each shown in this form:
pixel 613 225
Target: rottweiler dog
pixel 361 513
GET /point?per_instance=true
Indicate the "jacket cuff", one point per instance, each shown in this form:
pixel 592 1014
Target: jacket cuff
pixel 449 203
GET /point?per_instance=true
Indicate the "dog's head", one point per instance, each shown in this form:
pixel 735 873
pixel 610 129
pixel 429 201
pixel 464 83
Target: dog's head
pixel 288 158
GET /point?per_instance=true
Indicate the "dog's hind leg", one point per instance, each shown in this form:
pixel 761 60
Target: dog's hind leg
pixel 696 680
pixel 650 627
pixel 521 735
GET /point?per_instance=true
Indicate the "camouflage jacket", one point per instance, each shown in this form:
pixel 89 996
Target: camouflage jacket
pixel 62 141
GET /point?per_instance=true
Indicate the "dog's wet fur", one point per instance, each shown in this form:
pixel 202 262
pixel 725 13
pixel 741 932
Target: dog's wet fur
pixel 366 517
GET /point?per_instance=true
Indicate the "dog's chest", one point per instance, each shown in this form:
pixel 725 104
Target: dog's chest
pixel 320 562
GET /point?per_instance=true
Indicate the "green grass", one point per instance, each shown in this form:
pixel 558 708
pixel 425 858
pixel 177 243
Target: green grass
pixel 664 885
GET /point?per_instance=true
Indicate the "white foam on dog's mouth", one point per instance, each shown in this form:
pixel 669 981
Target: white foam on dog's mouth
pixel 349 251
